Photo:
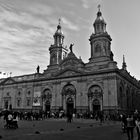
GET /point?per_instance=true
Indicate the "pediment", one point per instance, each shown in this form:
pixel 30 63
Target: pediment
pixel 71 61
pixel 8 81
pixel 68 73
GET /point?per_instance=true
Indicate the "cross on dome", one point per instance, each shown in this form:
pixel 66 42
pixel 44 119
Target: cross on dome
pixel 59 21
pixel 59 24
pixel 99 7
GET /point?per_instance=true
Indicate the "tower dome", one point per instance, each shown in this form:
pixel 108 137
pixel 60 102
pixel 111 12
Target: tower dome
pixel 99 24
pixel 58 36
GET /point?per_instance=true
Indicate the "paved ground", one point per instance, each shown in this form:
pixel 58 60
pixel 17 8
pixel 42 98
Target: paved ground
pixel 59 129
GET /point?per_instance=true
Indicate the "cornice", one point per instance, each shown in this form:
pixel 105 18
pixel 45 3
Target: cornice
pixel 97 36
pixel 129 78
pixel 102 72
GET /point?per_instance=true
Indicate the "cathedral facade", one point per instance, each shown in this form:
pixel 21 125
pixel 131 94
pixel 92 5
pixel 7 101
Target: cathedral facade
pixel 70 84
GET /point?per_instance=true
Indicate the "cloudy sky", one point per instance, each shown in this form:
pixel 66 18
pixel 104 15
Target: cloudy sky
pixel 27 28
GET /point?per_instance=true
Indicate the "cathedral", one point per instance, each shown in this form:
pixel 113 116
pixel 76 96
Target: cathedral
pixel 69 84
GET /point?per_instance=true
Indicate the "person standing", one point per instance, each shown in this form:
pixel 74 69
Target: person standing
pixel 137 122
pixel 130 127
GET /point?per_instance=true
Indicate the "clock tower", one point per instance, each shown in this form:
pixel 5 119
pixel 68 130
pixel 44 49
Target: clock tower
pixel 100 41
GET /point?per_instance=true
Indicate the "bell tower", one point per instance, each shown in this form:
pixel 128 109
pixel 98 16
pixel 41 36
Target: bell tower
pixel 100 41
pixel 57 50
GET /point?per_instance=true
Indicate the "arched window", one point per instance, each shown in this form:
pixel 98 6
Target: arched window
pixel 7 94
pixel 18 102
pixel 97 48
pixel 28 101
pixel 19 93
pixel 29 92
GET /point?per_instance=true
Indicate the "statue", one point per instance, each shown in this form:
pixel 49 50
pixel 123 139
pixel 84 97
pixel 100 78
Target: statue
pixel 37 69
pixel 71 45
pixel 111 56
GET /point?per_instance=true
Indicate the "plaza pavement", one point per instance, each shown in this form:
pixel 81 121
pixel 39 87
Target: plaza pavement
pixel 45 129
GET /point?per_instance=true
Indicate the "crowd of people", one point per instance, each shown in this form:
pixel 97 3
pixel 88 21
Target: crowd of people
pixel 130 122
pixel 12 117
pixel 34 115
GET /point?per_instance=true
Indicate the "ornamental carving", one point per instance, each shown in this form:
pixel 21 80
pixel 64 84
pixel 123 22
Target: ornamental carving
pixel 96 102
pixel 46 94
pixel 69 100
pixel 70 62
pixel 95 92
pixel 68 73
pixel 69 90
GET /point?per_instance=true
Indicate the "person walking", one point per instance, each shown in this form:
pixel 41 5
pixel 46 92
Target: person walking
pixel 124 122
pixel 137 122
pixel 101 117
pixel 69 116
pixel 130 127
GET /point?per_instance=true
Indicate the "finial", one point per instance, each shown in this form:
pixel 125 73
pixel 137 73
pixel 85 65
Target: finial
pixel 123 59
pixel 59 26
pixel 99 6
pixel 59 21
pixel 99 14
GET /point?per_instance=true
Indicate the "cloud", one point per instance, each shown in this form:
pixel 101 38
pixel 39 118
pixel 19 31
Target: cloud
pixel 24 37
pixel 40 9
pixel 69 25
pixel 26 34
pixel 88 3
pixel 85 4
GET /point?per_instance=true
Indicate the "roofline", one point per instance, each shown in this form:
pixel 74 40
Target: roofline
pixel 118 71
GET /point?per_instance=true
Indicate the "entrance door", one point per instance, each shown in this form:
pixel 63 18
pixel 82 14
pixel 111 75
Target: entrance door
pixel 96 105
pixel 47 106
pixel 70 105
pixel 6 104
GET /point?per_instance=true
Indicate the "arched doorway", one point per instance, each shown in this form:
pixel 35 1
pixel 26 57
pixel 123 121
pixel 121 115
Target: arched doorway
pixel 46 100
pixel 96 105
pixel 70 105
pixel 69 98
pixel 95 98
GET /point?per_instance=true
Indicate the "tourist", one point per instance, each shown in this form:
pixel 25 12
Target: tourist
pixel 69 116
pixel 130 127
pixel 10 118
pixel 137 122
